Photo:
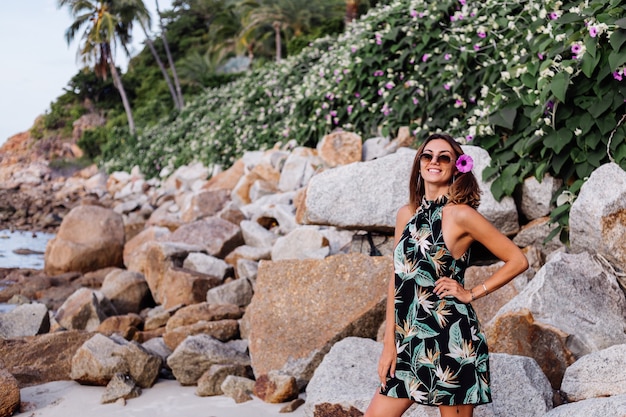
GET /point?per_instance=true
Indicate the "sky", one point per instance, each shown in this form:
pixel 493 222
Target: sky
pixel 37 62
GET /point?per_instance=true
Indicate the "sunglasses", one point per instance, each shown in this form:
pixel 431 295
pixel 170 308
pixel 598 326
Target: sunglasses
pixel 442 159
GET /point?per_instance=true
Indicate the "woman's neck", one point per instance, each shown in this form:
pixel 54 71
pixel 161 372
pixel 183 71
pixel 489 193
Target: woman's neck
pixel 432 192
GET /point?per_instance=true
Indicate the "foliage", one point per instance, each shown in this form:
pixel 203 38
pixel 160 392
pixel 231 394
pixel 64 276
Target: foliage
pixel 484 71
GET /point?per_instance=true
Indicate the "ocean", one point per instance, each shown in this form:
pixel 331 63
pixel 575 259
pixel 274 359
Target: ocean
pixel 20 249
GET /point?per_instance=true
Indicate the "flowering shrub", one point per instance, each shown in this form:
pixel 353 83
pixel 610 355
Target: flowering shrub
pixel 539 84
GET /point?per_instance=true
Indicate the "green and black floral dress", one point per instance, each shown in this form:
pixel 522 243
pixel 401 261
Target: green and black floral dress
pixel 442 352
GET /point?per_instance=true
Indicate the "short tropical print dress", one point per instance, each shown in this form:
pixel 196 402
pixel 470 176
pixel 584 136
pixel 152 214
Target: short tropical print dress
pixel 442 353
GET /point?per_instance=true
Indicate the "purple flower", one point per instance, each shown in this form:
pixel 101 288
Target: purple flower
pixel 540 56
pixel 554 15
pixel 389 85
pixel 446 86
pixel 353 49
pixel 357 95
pixel 464 163
pixel 415 100
pixel 593 31
pixel 425 57
pixel 482 35
pixel 447 57
pixel 378 73
pixel 576 48
pixel 618 75
pixel 381 91
pixel 463 2
pixel 469 138
pixel 477 47
pixel 349 109
pixel 413 13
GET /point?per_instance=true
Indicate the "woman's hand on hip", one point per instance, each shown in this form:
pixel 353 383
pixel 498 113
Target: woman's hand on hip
pixel 447 287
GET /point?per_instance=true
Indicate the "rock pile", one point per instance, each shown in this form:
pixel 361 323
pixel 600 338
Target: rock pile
pixel 269 279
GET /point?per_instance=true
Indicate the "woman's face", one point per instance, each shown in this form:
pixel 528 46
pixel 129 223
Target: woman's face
pixel 437 162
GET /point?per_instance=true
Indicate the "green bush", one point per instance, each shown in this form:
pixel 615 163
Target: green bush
pixel 536 83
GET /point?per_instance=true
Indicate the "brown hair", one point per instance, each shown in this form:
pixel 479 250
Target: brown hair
pixel 463 187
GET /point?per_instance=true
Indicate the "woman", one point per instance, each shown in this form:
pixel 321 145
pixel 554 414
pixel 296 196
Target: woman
pixel 434 352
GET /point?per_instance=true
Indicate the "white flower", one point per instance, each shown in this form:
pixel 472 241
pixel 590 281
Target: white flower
pixel 578 131
pixel 539 132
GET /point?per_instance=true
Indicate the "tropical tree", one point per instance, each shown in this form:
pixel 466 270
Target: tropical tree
pixel 166 45
pixel 285 18
pixel 106 25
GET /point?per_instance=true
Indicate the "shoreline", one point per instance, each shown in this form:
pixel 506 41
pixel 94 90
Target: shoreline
pixel 165 398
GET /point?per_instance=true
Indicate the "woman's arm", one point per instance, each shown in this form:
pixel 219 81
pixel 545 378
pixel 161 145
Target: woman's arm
pixel 387 362
pixel 470 226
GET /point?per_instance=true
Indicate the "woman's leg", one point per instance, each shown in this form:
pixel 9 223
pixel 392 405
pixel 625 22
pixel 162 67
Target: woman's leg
pixel 383 406
pixel 456 410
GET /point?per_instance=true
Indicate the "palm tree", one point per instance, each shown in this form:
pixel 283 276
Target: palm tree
pixel 106 24
pixel 286 18
pixel 179 92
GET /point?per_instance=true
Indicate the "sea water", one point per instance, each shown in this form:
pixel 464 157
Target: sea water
pixel 33 244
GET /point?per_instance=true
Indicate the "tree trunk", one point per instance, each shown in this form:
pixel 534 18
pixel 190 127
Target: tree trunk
pixel 352 10
pixel 117 81
pixel 179 91
pixel 278 40
pixel 162 67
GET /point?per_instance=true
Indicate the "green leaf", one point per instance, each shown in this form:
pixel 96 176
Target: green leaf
pixel 589 63
pixel 590 46
pixel 621 23
pixel 570 18
pixel 559 85
pixel 505 118
pixel 616 59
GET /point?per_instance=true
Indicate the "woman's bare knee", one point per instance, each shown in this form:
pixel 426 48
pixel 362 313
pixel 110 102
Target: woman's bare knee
pixel 383 406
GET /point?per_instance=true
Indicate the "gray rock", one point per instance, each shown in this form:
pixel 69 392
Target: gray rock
pixel 598 374
pixel 238 292
pixel 597 222
pixel 595 407
pixel 256 235
pixel 196 354
pixel 247 269
pixel 94 363
pixel 374 148
pixel 210 383
pixel 85 309
pixel 25 320
pixel 128 291
pixel 536 196
pixel 578 295
pixel 238 388
pixel 207 264
pixel 298 168
pixel 120 386
pixel 305 242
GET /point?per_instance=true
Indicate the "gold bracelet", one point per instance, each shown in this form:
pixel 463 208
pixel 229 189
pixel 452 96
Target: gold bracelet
pixel 486 290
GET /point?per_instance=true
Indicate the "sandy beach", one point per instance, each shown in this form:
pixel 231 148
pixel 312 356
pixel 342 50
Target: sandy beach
pixel 165 398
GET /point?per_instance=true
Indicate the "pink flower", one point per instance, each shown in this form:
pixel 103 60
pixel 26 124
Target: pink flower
pixel 463 2
pixel 618 75
pixel 477 47
pixel 554 15
pixel 415 100
pixel 447 57
pixel 469 138
pixel 379 73
pixel 349 109
pixel 540 56
pixel 413 13
pixel 425 57
pixel 482 35
pixel 576 49
pixel 446 86
pixel 464 163
pixel 593 31
pixel 389 85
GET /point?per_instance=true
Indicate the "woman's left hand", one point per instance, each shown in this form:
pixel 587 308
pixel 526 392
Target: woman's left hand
pixel 446 287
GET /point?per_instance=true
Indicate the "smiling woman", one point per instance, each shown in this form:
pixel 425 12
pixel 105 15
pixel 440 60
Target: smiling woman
pixel 35 67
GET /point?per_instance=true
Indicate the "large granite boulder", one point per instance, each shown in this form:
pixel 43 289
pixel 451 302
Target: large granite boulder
pixel 90 238
pixel 340 296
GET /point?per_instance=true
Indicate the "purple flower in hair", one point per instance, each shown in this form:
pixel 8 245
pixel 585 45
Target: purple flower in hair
pixel 464 163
